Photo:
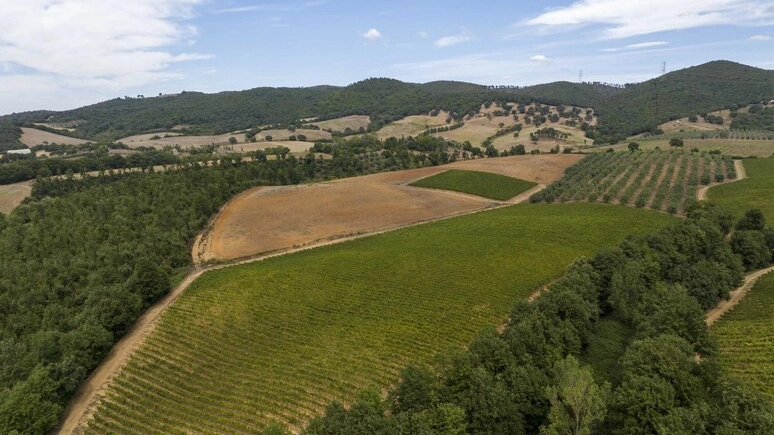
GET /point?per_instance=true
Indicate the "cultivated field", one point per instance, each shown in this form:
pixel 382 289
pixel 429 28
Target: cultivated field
pixel 756 191
pixel 12 195
pixel 478 129
pixel 353 122
pixel 411 125
pixel 33 136
pixel 746 337
pixel 660 180
pixel 485 184
pixel 270 219
pixel 730 147
pixel 277 340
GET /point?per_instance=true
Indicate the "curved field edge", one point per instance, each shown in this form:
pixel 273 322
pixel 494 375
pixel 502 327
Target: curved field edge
pixel 279 339
pixel 744 335
pixel 752 192
pixel 488 185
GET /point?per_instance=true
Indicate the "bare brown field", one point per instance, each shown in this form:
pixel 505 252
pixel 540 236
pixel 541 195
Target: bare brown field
pixel 145 140
pixel 269 219
pixel 296 147
pixel 683 124
pixel 11 195
pixel 340 124
pixel 575 140
pixel 33 136
pixel 283 135
pixel 478 129
pixel 412 125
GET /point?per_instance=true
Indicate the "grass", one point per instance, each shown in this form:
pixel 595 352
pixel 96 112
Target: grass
pixel 729 147
pixel 756 191
pixel 606 347
pixel 746 338
pixel 279 339
pixel 488 185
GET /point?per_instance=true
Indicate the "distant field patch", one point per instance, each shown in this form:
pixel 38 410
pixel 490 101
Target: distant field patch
pixel 11 195
pixel 730 147
pixel 353 122
pixel 484 184
pixel 279 339
pixel 411 125
pixel 746 337
pixel 756 191
pixel 33 136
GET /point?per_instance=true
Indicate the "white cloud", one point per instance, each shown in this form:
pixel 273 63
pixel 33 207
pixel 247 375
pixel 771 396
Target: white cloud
pixel 760 38
pixel 539 58
pixel 448 41
pixel 646 44
pixel 111 44
pixel 371 35
pixel 626 18
pixel 424 34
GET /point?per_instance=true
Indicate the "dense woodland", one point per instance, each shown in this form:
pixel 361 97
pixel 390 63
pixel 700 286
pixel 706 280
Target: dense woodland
pixel 85 257
pixel 9 136
pixel 623 111
pixel 617 346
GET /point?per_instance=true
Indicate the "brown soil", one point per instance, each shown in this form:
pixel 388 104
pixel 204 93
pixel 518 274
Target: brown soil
pixel 271 219
pixel 353 122
pixel 12 195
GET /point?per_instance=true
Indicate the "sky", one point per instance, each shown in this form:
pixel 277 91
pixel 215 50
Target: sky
pixel 63 54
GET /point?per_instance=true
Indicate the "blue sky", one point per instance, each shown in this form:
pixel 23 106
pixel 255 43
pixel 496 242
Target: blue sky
pixel 61 54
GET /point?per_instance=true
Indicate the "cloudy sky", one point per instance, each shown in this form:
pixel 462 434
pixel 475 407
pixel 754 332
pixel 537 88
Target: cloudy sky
pixel 61 54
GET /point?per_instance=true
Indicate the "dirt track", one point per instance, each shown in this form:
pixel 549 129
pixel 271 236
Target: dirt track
pixel 716 313
pixel 741 174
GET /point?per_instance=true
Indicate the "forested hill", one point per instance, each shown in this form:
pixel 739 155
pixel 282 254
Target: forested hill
pixel 382 99
pixel 711 86
pixel 622 111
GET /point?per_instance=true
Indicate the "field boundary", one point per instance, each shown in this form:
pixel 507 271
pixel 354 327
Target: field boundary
pixel 741 174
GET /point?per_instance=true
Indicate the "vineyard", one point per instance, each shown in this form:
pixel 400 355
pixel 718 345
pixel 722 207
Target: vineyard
pixel 714 134
pixel 746 338
pixel 756 191
pixel 488 185
pixel 659 180
pixel 279 339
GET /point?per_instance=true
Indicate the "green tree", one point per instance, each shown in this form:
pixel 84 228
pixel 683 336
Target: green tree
pixel 753 219
pixel 676 142
pixel 633 146
pixel 578 404
pixel 232 140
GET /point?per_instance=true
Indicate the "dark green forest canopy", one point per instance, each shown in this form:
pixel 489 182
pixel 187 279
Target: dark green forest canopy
pixel 9 136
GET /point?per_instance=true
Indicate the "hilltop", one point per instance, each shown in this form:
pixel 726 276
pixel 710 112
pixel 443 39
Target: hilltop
pixel 623 110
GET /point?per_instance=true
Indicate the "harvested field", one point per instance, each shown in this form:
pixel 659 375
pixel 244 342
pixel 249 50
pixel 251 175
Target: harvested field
pixel 353 122
pixel 411 125
pixel 478 129
pixel 730 147
pixel 12 195
pixel 33 136
pixel 283 135
pixel 296 147
pixel 145 140
pixel 270 219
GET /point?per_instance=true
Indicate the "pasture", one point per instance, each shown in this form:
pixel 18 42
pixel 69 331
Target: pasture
pixel 33 136
pixel 484 184
pixel 746 338
pixel 730 146
pixel 270 219
pixel 12 195
pixel 277 340
pixel 353 122
pixel 411 125
pixel 756 191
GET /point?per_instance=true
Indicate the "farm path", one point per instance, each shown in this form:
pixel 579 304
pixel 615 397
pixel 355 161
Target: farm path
pixel 716 313
pixel 85 402
pixel 741 174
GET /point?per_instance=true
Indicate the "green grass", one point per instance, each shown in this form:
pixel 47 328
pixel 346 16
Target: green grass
pixel 757 191
pixel 606 347
pixel 493 186
pixel 746 337
pixel 279 339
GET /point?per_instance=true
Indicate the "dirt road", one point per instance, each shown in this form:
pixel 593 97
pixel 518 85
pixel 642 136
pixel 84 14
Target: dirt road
pixel 741 174
pixel 716 313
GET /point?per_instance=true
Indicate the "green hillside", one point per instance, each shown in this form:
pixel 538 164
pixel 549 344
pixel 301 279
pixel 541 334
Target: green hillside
pixel 702 88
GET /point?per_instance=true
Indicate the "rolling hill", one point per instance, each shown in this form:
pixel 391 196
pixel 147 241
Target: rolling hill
pixel 623 111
